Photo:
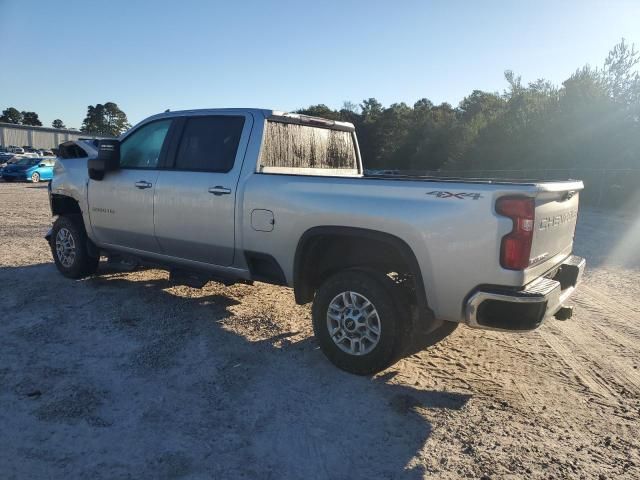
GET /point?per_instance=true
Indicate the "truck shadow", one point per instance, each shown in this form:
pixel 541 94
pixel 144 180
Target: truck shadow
pixel 211 385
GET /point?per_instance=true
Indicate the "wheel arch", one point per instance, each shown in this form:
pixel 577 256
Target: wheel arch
pixel 317 240
pixel 64 205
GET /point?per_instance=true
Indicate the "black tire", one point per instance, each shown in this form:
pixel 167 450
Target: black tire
pixel 393 322
pixel 8 179
pixel 35 178
pixel 82 264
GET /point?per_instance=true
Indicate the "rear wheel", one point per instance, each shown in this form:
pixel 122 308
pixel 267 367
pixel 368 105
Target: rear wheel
pixel 35 178
pixel 69 248
pixel 357 323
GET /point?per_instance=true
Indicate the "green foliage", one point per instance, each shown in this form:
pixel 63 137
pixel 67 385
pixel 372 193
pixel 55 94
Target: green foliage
pixel 11 115
pixel 57 123
pixel 591 122
pixel 31 118
pixel 105 119
pixel 320 110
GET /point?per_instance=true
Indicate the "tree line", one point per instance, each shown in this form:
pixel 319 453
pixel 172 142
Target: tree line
pixel 15 116
pixel 592 121
pixel 101 119
pixel 589 123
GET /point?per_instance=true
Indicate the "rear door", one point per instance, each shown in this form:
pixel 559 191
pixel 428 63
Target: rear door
pixel 195 195
pixel 121 205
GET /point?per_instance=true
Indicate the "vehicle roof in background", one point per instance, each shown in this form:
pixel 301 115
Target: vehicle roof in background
pixel 88 145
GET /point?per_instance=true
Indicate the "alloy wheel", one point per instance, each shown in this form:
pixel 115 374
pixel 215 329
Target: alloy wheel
pixel 353 322
pixel 65 247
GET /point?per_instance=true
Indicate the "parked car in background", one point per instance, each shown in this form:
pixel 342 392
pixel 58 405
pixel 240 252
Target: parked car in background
pixel 34 169
pixel 8 159
pixel 5 157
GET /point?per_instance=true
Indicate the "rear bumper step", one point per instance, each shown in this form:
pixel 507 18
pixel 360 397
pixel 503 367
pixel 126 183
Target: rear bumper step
pixel 526 309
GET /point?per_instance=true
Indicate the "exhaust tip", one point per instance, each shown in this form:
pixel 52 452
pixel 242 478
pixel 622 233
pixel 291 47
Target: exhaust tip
pixel 565 313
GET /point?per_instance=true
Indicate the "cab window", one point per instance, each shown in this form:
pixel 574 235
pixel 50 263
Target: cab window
pixel 142 148
pixel 209 144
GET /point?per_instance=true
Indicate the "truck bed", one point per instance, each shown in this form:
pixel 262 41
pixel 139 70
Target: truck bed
pixel 458 179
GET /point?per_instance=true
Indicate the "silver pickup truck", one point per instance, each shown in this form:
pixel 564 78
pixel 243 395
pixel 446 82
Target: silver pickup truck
pixel 242 195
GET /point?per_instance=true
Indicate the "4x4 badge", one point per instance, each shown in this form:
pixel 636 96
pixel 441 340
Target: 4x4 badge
pixel 459 196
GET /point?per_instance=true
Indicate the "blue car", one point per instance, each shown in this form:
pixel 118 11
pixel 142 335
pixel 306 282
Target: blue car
pixel 33 169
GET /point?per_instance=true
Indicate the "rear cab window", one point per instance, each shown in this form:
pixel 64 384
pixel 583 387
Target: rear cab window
pixel 307 149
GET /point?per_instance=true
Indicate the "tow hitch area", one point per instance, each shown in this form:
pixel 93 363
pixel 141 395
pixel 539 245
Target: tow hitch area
pixel 565 313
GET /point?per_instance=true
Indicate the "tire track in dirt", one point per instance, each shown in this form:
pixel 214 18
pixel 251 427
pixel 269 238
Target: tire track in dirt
pixel 585 374
pixel 626 318
pixel 619 366
pixel 596 362
pixel 629 346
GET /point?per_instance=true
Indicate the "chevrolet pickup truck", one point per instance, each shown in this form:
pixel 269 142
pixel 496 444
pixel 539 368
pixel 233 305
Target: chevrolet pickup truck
pixel 243 195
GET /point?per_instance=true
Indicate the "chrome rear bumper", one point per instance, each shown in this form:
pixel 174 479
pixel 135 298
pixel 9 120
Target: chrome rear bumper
pixel 506 309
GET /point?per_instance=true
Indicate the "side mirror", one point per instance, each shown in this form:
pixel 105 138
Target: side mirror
pixel 108 159
pixel 42 165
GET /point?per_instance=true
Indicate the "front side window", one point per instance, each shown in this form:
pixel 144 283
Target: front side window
pixel 142 148
pixel 289 145
pixel 209 143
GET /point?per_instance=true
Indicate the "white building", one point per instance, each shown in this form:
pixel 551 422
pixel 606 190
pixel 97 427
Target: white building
pixel 38 137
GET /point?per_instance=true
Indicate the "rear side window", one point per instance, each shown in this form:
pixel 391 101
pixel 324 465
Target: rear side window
pixel 209 144
pixel 70 150
pixel 290 146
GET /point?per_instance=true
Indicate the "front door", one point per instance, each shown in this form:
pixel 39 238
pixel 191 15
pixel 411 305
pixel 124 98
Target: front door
pixel 195 195
pixel 121 205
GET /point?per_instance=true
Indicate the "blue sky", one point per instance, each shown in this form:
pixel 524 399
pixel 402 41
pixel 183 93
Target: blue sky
pixel 59 57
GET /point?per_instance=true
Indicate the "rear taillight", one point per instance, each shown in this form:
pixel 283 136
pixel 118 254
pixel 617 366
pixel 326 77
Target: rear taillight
pixel 515 249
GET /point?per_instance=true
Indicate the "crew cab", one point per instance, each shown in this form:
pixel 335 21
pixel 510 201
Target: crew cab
pixel 243 195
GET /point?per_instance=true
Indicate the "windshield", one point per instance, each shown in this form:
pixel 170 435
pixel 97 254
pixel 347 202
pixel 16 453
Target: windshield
pixel 27 161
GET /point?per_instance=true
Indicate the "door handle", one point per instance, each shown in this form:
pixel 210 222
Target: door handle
pixel 218 190
pixel 142 184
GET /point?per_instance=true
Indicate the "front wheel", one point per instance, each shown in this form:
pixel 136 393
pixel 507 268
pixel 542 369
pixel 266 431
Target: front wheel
pixel 69 248
pixel 35 178
pixel 357 323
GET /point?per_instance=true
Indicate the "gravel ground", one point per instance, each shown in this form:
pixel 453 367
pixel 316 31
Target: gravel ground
pixel 124 375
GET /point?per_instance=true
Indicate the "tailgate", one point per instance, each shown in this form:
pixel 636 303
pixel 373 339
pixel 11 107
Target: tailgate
pixel 555 221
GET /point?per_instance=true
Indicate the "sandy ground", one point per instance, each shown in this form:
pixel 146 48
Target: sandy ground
pixel 125 376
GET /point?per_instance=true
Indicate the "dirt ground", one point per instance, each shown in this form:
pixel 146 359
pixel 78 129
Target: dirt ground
pixel 125 376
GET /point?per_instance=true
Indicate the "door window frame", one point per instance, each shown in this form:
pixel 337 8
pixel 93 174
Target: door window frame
pixel 177 133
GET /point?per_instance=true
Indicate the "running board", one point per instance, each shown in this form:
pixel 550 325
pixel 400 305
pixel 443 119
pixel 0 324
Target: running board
pixel 197 280
pixel 122 263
